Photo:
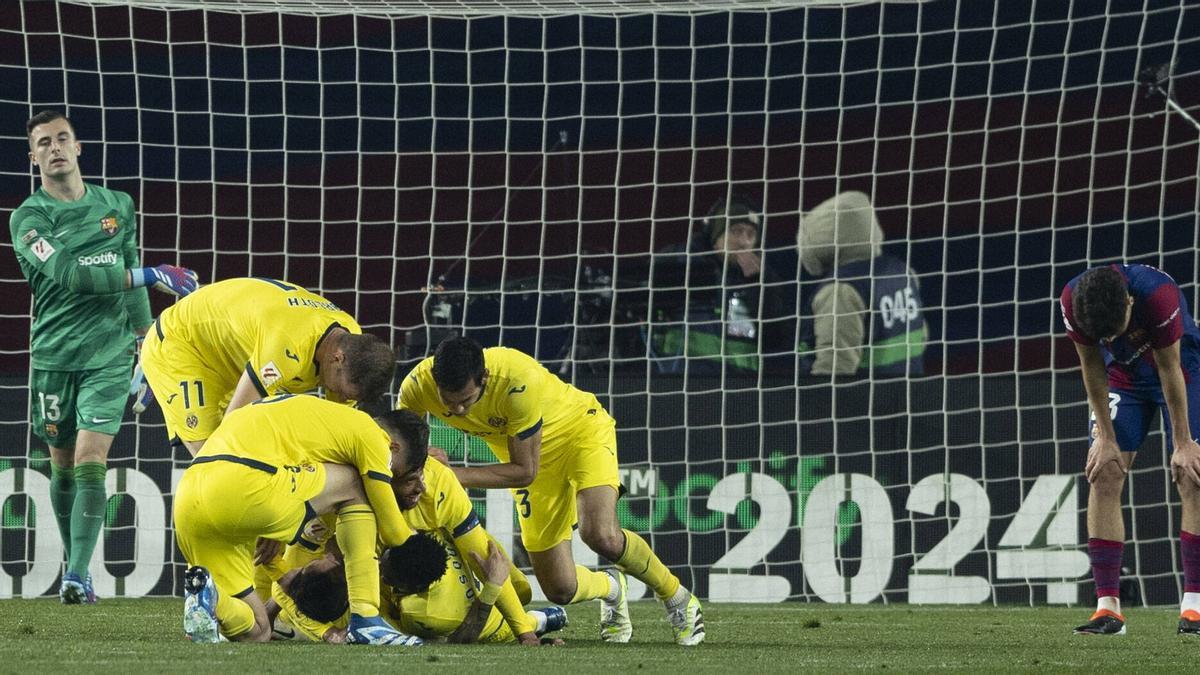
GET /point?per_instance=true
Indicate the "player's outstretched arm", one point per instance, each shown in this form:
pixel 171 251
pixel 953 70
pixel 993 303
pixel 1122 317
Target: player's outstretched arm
pixel 178 281
pixel 524 456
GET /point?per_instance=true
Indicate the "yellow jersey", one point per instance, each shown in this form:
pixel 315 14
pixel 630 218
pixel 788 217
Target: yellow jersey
pixel 270 329
pixel 291 432
pixel 519 397
pixel 440 610
pixel 445 511
pixel 436 613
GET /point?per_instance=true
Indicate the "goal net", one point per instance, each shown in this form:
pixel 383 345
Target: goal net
pixel 536 174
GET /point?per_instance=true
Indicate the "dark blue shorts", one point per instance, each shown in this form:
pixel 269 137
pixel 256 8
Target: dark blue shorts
pixel 1133 411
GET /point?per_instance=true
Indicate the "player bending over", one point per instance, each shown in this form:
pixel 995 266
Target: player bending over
pixel 76 244
pixel 271 467
pixel 558 455
pixel 239 340
pixel 1139 349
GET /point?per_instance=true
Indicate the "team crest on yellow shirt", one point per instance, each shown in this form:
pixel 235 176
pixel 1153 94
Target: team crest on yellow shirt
pixel 51 429
pixel 109 225
pixel 192 421
pixel 269 374
pixel 497 421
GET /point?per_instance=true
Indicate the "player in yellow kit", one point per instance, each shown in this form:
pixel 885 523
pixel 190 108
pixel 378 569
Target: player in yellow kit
pixel 557 448
pixel 431 500
pixel 270 468
pixel 309 601
pixel 238 340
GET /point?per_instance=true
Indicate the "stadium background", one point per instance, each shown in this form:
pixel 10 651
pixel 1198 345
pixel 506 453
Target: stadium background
pixel 1006 146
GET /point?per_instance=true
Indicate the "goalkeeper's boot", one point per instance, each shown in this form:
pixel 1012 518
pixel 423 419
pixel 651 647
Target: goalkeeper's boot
pixel 77 591
pixel 688 622
pixel 615 625
pixel 552 618
pixel 1103 622
pixel 373 630
pixel 1189 623
pixel 200 606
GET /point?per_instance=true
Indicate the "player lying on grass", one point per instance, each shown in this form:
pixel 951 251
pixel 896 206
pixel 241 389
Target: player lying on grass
pixel 270 468
pixel 431 499
pixel 1139 349
pixel 558 454
pixel 77 246
pixel 239 340
pixel 310 603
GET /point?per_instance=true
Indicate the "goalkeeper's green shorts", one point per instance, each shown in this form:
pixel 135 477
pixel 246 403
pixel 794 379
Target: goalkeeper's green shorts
pixel 63 401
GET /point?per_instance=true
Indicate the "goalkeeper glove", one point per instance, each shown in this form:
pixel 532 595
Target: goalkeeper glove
pixel 138 389
pixel 178 281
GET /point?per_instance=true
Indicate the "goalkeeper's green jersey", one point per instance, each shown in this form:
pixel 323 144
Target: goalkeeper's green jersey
pixel 74 255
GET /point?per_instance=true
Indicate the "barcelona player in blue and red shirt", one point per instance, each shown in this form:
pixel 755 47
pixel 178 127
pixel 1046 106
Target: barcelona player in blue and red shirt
pixel 1139 349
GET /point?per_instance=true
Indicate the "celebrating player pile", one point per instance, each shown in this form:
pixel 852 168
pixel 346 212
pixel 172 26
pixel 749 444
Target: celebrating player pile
pixel 1140 351
pixel 76 244
pixel 479 596
pixel 268 469
pixel 558 453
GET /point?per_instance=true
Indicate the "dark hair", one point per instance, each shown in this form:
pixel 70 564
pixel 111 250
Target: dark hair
pixel 410 427
pixel 370 365
pixel 413 566
pixel 44 117
pixel 737 209
pixel 320 595
pixel 457 362
pixel 1099 302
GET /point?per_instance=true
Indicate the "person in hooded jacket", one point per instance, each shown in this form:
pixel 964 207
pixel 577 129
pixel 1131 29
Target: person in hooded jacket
pixel 864 313
pixel 717 303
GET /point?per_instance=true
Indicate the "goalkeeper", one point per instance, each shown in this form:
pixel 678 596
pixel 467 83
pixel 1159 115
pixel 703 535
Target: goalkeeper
pixel 239 340
pixel 76 244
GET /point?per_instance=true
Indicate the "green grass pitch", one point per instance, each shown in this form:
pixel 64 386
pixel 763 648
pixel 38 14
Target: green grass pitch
pixel 144 636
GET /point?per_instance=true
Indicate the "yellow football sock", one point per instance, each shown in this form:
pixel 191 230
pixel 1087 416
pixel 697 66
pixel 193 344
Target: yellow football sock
pixel 356 536
pixel 590 585
pixel 639 562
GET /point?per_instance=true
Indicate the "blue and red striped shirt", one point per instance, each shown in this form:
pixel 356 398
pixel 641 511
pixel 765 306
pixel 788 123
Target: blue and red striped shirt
pixel 1160 317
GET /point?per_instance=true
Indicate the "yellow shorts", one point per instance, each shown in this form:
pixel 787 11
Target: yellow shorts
pixel 222 507
pixel 547 508
pixel 191 392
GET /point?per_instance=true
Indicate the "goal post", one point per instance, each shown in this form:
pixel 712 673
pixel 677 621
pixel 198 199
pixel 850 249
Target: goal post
pixel 524 170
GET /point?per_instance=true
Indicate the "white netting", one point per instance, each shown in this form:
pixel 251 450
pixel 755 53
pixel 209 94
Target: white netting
pixel 539 161
pixel 461 8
